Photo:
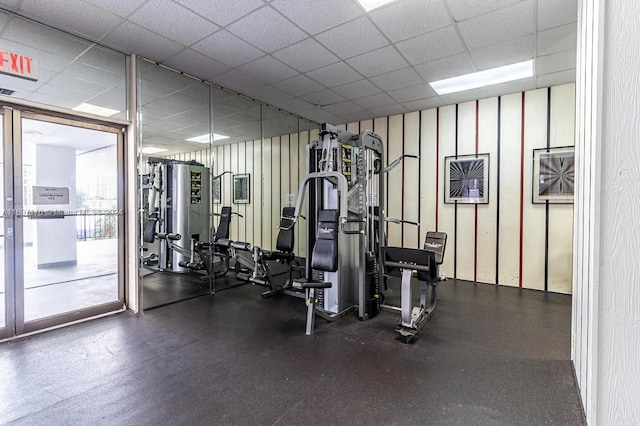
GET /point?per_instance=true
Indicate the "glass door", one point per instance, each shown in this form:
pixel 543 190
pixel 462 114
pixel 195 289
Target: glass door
pixel 66 219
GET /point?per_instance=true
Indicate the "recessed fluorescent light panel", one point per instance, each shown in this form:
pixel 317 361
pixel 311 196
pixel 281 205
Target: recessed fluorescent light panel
pixel 484 78
pixel 205 138
pixel 373 4
pixel 95 109
pixel 152 150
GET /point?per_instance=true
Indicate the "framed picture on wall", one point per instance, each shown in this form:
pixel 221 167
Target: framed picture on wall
pixel 216 193
pixel 466 179
pixel 241 189
pixel 553 175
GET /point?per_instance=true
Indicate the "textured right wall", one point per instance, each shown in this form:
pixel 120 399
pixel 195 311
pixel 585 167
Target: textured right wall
pixel 606 302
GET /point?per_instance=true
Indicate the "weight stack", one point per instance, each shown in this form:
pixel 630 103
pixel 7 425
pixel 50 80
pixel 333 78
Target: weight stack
pixel 372 286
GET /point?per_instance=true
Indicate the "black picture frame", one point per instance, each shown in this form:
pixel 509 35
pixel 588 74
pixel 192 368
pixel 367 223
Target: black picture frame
pixel 553 175
pixel 466 179
pixel 242 188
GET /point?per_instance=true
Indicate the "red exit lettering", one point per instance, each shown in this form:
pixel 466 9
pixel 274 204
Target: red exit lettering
pixel 18 65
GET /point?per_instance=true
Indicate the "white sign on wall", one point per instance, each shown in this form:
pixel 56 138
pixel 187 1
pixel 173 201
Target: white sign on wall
pixel 50 195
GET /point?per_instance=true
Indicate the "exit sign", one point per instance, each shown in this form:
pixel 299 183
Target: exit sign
pixel 18 65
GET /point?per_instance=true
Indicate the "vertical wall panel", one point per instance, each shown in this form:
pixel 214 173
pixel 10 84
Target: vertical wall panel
pixel 227 179
pixel 510 189
pixel 560 234
pixel 236 221
pixel 394 181
pixel 446 212
pixel 267 195
pixel 466 230
pixel 412 235
pixel 301 225
pixel 366 125
pixel 353 127
pixel 249 219
pixel 429 177
pixel 534 215
pixel 487 226
pixel 256 186
pixel 294 160
pixel 280 164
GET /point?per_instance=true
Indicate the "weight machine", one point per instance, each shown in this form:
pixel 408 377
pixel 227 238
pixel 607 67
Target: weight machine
pixel 344 184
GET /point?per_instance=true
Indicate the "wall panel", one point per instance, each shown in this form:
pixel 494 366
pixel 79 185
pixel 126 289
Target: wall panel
pixel 394 181
pixel 301 225
pixel 267 195
pixel 280 164
pixel 466 213
pixel 236 221
pixel 510 150
pixel 413 236
pixel 487 230
pixel 249 218
pixel 430 178
pixel 256 186
pixel 447 212
pixel 534 216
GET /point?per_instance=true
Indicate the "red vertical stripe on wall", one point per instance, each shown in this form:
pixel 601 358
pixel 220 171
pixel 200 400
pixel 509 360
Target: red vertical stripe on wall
pixel 437 164
pixel 475 234
pixel 521 189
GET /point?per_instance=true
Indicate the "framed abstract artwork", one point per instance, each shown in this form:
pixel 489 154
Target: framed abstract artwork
pixel 466 179
pixel 241 189
pixel 553 175
pixel 216 183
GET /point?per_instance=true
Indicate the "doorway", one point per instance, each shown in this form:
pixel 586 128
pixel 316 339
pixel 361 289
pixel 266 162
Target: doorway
pixel 62 237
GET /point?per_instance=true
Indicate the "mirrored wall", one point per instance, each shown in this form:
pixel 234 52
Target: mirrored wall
pixel 206 157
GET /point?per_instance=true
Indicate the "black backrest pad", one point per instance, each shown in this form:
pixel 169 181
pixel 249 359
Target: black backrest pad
pixel 224 224
pixel 286 237
pixel 409 256
pixel 149 234
pixel 325 251
pixel 436 243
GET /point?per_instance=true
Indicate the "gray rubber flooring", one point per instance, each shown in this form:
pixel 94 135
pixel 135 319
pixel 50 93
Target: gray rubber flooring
pixel 490 356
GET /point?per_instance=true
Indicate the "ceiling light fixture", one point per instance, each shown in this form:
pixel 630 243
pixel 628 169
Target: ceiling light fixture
pixel 369 5
pixel 152 150
pixel 484 78
pixel 95 109
pixel 205 138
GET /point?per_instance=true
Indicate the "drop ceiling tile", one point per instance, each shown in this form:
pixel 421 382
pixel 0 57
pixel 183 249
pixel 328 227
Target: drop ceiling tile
pixel 409 18
pixel 44 39
pixel 389 110
pixel 228 49
pixel 130 38
pixel 397 79
pixel 556 78
pixel 356 117
pixel 267 29
pixel 557 39
pixel 4 20
pixel 118 7
pixel 465 9
pixel 268 69
pixel 423 104
pixel 237 81
pixel 505 53
pixel 70 100
pixel 376 101
pixel 553 13
pixel 222 12
pixel 86 72
pixel 378 62
pixel 505 24
pixel 431 46
pixel 270 95
pixel 298 85
pixel 334 75
pixel 317 114
pixel 323 97
pixel 105 59
pixel 10 4
pixel 185 26
pixel 196 64
pixel 353 38
pixel 413 93
pixel 165 78
pixel 555 62
pixel 446 67
pixel 357 89
pixel 89 21
pixel 341 108
pixel 317 16
pixel 294 105
pixel 306 55
pixel 510 87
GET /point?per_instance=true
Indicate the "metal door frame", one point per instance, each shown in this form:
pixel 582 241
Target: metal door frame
pixel 14 220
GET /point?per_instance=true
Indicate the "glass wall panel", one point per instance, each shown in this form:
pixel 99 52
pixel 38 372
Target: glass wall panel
pixel 71 73
pixel 175 176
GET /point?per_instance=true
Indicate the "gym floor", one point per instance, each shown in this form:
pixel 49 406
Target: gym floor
pixel 490 356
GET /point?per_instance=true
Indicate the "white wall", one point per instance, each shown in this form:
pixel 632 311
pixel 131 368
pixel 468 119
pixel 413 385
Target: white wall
pixel 606 313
